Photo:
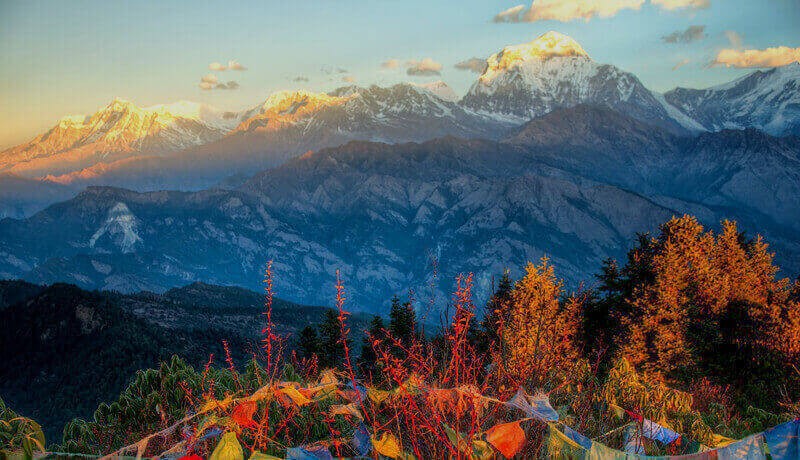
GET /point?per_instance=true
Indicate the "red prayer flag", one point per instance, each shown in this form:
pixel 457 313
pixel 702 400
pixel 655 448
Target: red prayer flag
pixel 508 438
pixel 243 414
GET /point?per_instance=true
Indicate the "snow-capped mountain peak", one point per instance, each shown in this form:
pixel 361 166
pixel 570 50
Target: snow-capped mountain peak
pixel 529 80
pixel 71 120
pixel 441 90
pixel 764 99
pixel 286 107
pixel 117 131
pixel 283 100
pixel 547 46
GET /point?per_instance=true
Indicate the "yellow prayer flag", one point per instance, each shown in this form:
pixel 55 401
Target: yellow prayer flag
pixel 256 455
pixel 228 448
pixel 214 404
pixel 387 445
pixel 720 441
pixel 377 396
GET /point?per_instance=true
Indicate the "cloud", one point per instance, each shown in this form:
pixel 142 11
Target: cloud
pixel 680 64
pixel 229 85
pixel 300 79
pixel 476 65
pixel 216 66
pixel 691 34
pixel 210 78
pixel 327 70
pixel 349 79
pixel 734 38
pixel 770 57
pixel 234 65
pixel 425 67
pixel 210 81
pixel 566 10
pixel 390 64
pixel 510 15
pixel 682 4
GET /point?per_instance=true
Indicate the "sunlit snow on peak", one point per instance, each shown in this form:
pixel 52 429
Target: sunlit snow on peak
pixel 549 45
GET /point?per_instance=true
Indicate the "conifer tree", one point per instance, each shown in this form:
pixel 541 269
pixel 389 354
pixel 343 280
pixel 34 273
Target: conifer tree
pixel 368 361
pixel 402 321
pixel 308 343
pixel 497 315
pixel 331 353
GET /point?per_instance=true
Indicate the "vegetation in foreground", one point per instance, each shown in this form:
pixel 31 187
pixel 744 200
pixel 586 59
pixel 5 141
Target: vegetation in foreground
pixel 694 331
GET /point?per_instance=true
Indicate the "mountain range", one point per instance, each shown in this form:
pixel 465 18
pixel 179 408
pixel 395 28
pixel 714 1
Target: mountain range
pixel 189 146
pixel 576 184
pixel 403 188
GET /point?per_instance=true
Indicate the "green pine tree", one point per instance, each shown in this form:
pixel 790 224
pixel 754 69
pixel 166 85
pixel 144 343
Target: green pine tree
pixel 497 312
pixel 368 362
pixel 331 352
pixel 402 321
pixel 308 342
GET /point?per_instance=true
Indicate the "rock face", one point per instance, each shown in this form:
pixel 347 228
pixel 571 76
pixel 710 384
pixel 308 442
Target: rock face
pixel 380 213
pixel 765 100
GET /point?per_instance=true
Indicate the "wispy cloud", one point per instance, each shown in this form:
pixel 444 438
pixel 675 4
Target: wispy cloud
pixel 734 38
pixel 327 70
pixel 691 34
pixel 513 14
pixel 349 79
pixel 300 79
pixel 390 64
pixel 566 10
pixel 217 67
pixel 682 4
pixel 680 64
pixel 234 65
pixel 425 67
pixel 229 85
pixel 769 57
pixel 476 65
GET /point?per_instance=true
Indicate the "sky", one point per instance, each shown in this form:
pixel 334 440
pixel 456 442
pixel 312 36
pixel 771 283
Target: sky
pixel 60 58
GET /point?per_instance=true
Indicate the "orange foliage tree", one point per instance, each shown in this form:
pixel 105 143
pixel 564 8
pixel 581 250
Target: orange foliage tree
pixel 541 338
pixel 699 302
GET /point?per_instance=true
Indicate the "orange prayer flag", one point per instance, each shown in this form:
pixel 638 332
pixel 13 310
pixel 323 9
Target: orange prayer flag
pixel 295 396
pixel 508 438
pixel 347 409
